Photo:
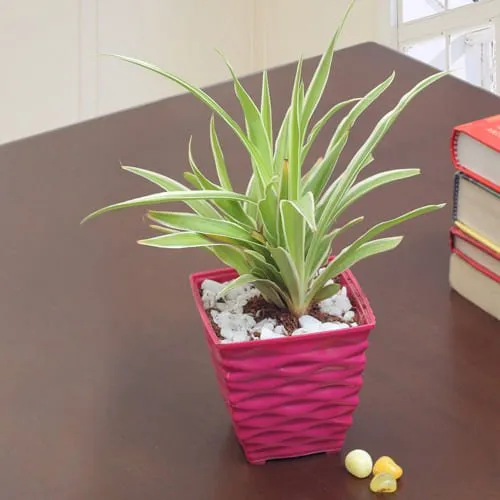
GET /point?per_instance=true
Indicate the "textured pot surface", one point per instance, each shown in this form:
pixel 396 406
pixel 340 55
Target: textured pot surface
pixel 291 396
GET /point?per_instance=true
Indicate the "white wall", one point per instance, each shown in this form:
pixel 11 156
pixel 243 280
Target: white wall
pixel 52 75
pixel 286 29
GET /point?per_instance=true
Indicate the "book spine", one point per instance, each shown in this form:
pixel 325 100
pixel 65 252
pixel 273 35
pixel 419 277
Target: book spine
pixel 456 189
pixel 454 148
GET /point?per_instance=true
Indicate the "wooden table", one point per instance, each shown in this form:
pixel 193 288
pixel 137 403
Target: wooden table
pixel 106 385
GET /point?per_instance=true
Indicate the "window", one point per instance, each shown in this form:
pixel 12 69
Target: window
pixel 456 35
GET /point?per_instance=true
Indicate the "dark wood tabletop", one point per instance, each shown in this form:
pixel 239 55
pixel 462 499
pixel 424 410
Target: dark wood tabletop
pixel 106 385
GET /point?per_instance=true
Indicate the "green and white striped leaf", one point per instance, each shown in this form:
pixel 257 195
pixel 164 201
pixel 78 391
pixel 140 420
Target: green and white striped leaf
pixel 289 274
pixel 205 99
pixel 178 240
pixel 266 108
pixel 203 225
pixel 320 77
pixel 201 207
pixel 319 175
pixel 157 198
pixel 320 124
pixel 305 207
pixel 281 146
pixel 346 255
pixel 218 155
pixel 326 292
pixel 294 232
pixel 294 138
pixel 231 208
pixel 359 160
pixel 255 126
pixel 369 184
pixel 231 256
pixel 242 280
pixel 347 258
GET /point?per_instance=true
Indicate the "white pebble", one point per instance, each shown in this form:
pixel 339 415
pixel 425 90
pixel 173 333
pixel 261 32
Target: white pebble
pixel 354 323
pixel 211 286
pixel 337 305
pixel 280 330
pixel 308 322
pixel 349 316
pixel 266 333
pixel 333 326
pixel 300 331
pixel 233 321
pixel 268 322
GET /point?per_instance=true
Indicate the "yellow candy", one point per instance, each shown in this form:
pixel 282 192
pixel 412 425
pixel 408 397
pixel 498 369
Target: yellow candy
pixel 383 483
pixel 359 463
pixel 387 464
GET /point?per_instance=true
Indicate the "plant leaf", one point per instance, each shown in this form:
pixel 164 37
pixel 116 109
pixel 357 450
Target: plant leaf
pixel 265 108
pixel 255 125
pixel 346 259
pixel 319 176
pixel 205 99
pixel 294 232
pixel 157 198
pixel 289 273
pixel 203 225
pixel 244 279
pixel 347 179
pixel 369 184
pixel 268 210
pixel 346 255
pixel 231 256
pixel 320 77
pixel 178 240
pixel 218 155
pixel 281 146
pixel 326 292
pixel 294 139
pixel 232 209
pixel 305 207
pixel 201 207
pixel 321 123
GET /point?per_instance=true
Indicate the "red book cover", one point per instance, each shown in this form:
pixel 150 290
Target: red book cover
pixel 485 131
pixel 456 233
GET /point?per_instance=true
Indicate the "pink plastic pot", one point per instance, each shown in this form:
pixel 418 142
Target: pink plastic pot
pixel 291 396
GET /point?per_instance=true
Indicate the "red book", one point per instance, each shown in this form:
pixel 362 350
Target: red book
pixel 475 148
pixel 478 255
pixel 475 272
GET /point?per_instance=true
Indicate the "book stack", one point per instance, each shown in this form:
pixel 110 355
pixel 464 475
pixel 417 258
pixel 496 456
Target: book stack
pixel 475 236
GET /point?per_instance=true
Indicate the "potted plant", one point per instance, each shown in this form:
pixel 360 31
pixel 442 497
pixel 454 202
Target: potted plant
pixel 287 324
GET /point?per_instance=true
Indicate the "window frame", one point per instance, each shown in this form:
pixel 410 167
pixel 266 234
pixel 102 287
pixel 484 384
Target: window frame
pixel 448 22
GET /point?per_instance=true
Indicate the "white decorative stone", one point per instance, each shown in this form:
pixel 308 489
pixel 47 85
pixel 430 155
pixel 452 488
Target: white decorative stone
pixel 333 326
pixel 267 333
pixel 337 305
pixel 211 286
pixel 354 323
pixel 209 299
pixel 348 316
pixel 300 331
pixel 268 322
pixel 280 330
pixel 233 321
pixel 308 322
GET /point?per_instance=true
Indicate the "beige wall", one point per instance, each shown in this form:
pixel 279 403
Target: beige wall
pixel 287 29
pixel 52 75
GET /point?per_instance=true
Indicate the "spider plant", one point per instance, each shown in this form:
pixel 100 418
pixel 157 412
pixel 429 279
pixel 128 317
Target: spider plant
pixel 279 232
